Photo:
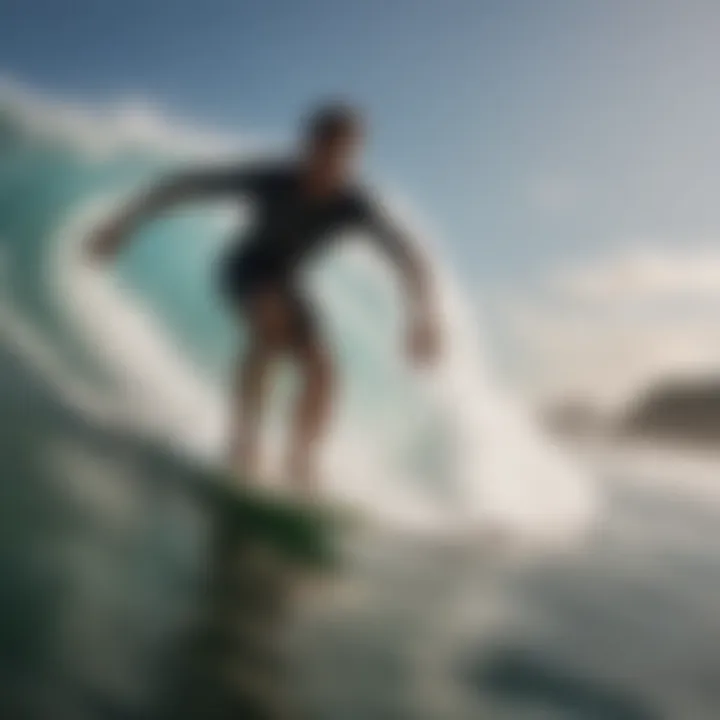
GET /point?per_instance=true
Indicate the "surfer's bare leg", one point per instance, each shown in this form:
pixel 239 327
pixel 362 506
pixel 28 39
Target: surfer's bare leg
pixel 279 323
pixel 312 413
pixel 251 382
pixel 267 326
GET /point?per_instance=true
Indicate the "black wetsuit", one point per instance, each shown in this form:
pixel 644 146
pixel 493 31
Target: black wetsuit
pixel 289 229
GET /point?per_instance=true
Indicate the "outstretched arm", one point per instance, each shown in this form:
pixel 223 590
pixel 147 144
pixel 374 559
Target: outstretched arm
pixel 181 188
pixel 412 264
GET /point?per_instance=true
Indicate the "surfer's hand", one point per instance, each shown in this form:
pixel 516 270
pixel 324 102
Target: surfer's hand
pixel 423 345
pixel 105 242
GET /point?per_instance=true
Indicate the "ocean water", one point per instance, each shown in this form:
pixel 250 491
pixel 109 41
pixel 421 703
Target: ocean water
pixel 496 577
pixel 151 337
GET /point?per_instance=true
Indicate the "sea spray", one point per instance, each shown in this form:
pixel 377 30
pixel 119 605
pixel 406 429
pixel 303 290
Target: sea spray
pixel 448 451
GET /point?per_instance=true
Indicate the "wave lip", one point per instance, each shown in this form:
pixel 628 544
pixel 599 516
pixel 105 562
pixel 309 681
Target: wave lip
pixel 450 450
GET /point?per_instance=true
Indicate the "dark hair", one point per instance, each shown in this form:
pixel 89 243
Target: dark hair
pixel 331 121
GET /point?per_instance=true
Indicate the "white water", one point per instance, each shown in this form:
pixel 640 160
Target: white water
pixel 496 471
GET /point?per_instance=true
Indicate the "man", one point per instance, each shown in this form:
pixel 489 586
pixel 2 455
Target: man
pixel 301 205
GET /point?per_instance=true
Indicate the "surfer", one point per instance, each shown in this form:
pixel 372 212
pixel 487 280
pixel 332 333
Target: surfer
pixel 301 205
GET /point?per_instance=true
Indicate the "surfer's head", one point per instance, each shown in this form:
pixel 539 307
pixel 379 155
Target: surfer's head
pixel 333 140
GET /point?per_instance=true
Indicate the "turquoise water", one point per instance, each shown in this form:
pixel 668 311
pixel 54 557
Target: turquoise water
pixel 151 336
pixel 106 373
pixel 54 190
pixel 102 552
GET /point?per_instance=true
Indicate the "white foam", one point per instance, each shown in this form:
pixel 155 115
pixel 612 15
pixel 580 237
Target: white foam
pixel 504 473
pixel 101 131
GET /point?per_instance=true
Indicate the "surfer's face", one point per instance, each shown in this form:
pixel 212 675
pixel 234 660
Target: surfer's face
pixel 333 159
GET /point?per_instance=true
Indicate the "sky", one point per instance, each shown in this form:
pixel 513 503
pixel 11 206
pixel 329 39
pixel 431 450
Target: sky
pixel 556 147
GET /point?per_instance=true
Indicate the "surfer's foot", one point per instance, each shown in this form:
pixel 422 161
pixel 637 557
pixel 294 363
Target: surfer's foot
pixel 244 463
pixel 302 474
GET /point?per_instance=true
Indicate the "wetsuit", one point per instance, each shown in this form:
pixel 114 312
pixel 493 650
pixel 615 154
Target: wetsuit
pixel 288 230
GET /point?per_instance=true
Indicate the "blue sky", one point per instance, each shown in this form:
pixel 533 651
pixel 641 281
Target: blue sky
pixel 524 129
pixel 530 132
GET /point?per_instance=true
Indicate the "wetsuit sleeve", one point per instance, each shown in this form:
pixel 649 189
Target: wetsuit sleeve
pixel 373 217
pixel 180 188
pixel 399 246
pixel 211 182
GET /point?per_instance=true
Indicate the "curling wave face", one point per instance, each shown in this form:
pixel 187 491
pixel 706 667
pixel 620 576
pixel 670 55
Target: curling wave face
pixel 151 339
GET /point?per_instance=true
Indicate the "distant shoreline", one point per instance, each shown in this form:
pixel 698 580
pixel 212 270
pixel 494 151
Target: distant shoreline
pixel 681 413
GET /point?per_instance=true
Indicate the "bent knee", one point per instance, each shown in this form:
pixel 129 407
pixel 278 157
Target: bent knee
pixel 270 321
pixel 316 364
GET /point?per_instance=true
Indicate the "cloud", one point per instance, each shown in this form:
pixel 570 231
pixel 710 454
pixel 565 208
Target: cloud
pixel 607 329
pixel 646 274
pixel 104 130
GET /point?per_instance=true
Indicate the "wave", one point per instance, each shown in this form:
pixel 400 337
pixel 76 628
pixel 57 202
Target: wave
pixel 448 449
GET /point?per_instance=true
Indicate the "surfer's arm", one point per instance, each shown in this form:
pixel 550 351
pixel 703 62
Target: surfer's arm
pixel 412 264
pixel 178 189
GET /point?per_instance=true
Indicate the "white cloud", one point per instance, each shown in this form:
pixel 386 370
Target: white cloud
pixel 645 274
pixel 102 131
pixel 607 329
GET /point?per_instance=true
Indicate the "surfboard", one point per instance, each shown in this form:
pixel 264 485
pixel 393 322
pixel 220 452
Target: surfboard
pixel 296 529
pixel 266 549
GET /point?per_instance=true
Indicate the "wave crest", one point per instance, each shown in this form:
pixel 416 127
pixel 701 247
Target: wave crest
pixel 448 450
